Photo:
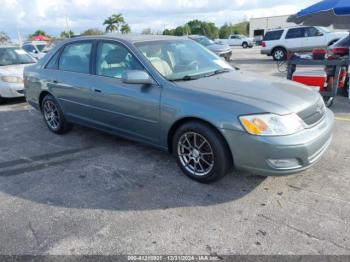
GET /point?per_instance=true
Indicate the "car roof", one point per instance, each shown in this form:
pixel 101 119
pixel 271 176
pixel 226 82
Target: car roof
pixel 133 38
pixel 285 28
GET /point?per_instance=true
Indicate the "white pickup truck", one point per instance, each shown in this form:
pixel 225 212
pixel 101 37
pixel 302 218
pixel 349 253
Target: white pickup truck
pixel 237 40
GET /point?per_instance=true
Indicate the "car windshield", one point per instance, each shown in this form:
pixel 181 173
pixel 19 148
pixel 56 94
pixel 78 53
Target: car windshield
pixel 324 29
pixel 14 56
pixel 182 59
pixel 41 47
pixel 204 41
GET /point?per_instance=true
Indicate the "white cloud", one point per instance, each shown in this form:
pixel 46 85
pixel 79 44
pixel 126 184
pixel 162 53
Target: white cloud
pixel 50 15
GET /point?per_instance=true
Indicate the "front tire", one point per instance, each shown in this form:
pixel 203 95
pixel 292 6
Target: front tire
pixel 201 152
pixel 279 54
pixel 245 45
pixel 53 116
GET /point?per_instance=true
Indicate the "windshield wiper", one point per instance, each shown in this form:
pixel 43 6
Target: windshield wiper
pixel 195 77
pixel 187 78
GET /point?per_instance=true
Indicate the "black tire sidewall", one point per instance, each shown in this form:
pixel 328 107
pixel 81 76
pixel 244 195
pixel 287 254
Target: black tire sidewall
pixel 245 45
pixel 222 160
pixel 279 49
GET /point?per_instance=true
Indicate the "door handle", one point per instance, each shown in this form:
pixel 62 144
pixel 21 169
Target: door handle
pixel 97 91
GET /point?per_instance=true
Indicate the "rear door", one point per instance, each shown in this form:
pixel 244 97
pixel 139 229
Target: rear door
pixel 294 39
pixel 69 79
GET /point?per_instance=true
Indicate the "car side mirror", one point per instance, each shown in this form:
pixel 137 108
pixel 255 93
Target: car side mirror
pixel 137 77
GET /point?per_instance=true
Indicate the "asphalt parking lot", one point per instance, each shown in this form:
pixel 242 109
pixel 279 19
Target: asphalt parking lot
pixel 91 193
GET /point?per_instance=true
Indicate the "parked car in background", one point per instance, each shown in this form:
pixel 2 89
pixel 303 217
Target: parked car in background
pixel 37 49
pixel 178 96
pixel 298 39
pixel 341 47
pixel 237 40
pixel 12 62
pixel 222 50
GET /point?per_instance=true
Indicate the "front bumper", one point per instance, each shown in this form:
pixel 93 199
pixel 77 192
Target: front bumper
pixel 251 153
pixel 8 90
pixel 224 53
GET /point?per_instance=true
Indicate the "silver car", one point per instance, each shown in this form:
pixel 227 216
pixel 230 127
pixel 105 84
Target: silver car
pixel 174 94
pixel 12 62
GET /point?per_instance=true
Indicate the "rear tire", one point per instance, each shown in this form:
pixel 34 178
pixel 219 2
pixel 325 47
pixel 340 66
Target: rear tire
pixel 201 152
pixel 53 116
pixel 279 54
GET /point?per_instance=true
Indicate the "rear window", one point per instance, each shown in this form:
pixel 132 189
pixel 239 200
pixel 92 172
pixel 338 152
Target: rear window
pixel 343 43
pixel 273 35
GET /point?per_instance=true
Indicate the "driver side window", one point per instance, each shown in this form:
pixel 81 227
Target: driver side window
pixel 113 59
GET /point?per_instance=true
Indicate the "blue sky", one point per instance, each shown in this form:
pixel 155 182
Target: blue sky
pixel 50 15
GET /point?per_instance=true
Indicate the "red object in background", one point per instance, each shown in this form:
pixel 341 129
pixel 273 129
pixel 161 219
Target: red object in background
pixel 342 51
pixel 312 79
pixel 319 54
pixel 40 38
pixel 263 44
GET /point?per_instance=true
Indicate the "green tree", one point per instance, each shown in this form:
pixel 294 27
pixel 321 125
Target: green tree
pixel 198 27
pixel 169 32
pixel 67 34
pixel 4 38
pixel 39 32
pixel 125 29
pixel 92 31
pixel 113 22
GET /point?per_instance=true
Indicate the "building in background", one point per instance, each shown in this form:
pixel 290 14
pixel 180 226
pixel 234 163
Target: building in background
pixel 259 26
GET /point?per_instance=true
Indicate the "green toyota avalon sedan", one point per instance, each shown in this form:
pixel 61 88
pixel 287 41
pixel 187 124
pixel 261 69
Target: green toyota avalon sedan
pixel 176 95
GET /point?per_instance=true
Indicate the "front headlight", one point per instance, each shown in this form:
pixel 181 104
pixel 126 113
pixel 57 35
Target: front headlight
pixel 12 79
pixel 271 124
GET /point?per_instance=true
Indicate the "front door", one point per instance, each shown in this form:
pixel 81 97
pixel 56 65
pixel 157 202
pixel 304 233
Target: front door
pixel 132 109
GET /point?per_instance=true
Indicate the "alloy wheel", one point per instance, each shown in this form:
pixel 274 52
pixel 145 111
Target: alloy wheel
pixel 195 154
pixel 51 115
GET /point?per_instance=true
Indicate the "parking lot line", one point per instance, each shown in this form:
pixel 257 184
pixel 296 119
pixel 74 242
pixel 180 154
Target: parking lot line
pixel 342 119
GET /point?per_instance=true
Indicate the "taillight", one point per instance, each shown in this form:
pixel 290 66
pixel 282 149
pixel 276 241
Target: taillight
pixel 263 44
pixel 340 50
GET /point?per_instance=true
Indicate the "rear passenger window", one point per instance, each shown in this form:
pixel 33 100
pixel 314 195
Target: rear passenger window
pixel 295 33
pixel 273 35
pixel 76 58
pixel 52 64
pixel 113 59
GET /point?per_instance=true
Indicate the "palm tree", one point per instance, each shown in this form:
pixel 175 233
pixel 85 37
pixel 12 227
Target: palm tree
pixel 113 22
pixel 125 29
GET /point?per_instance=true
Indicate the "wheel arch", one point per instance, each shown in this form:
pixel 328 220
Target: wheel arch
pixel 41 97
pixel 279 46
pixel 333 41
pixel 185 120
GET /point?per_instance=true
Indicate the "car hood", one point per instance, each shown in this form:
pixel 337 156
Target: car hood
pixel 262 94
pixel 12 70
pixel 218 47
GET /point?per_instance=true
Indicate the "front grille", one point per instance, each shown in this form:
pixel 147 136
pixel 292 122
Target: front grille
pixel 314 113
